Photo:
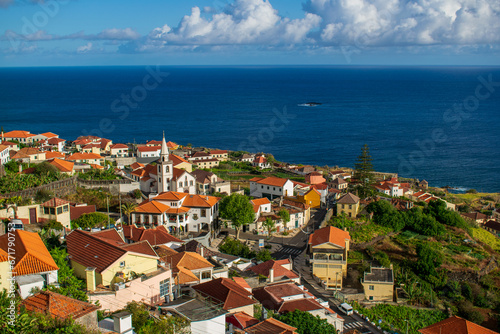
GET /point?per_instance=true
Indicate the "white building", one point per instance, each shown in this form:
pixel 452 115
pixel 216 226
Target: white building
pixel 179 212
pixel 270 187
pixel 148 151
pixel 4 154
pixel 119 150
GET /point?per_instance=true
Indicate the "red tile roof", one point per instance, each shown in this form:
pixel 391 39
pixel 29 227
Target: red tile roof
pixel 84 156
pixel 241 282
pixel 227 292
pixel 260 160
pixel 31 255
pixel 177 159
pixel 152 207
pixel 304 304
pixel 330 234
pixel 141 247
pixel 218 151
pixel 279 270
pixel 55 141
pixel 149 148
pixel 271 325
pixel 241 320
pixel 258 202
pixel 115 146
pixel 76 211
pixel 271 296
pixel 188 260
pixel 273 181
pixel 455 325
pixel 54 202
pixel 136 165
pixel 58 306
pixel 156 236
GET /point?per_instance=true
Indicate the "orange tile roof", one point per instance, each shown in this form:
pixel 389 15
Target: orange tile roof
pixel 177 159
pixel 241 282
pixel 152 207
pixel 271 325
pixel 455 325
pixel 256 179
pixel 148 148
pixel 84 156
pixel 54 202
pixel 58 306
pixel 18 134
pixel 4 256
pixel 197 201
pixel 304 304
pixel 136 165
pixel 3 147
pixel 48 134
pixel 260 201
pixel 142 247
pixel 62 165
pixel 260 160
pixel 53 155
pixel 31 255
pixel 171 144
pixel 241 320
pixel 218 151
pixel 227 292
pixel 184 276
pixel 154 142
pixel 273 181
pixel 94 166
pixel 118 146
pixel 155 236
pixel 330 234
pixel 55 141
pixel 189 260
pixel 165 251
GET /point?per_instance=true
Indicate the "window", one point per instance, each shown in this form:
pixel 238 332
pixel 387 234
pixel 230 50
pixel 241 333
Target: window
pixel 370 298
pixel 59 210
pixel 52 211
pixel 350 206
pixel 65 208
pixel 203 212
pixel 180 184
pixel 371 287
pixel 46 211
pixel 165 287
pixel 206 275
pixel 320 266
pixel 122 264
pixel 343 207
pixel 191 182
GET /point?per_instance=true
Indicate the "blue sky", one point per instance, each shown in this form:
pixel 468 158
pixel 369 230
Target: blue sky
pixel 234 32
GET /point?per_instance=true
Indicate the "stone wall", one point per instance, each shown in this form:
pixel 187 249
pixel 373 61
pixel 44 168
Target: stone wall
pixel 59 188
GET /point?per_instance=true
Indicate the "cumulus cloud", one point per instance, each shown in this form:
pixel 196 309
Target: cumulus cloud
pixel 242 22
pixel 403 22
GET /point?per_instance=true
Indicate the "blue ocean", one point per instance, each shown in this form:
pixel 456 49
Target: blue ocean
pixel 435 123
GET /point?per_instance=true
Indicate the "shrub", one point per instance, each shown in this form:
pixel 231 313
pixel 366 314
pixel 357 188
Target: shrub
pixel 237 248
pixel 264 255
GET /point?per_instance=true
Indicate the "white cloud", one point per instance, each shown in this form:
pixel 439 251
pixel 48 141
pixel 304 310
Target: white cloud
pixel 403 22
pixel 242 22
pixel 84 48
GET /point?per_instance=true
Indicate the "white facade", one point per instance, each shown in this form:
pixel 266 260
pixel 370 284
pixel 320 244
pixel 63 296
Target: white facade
pixel 215 325
pixel 271 191
pixel 148 152
pixel 4 155
pixel 27 283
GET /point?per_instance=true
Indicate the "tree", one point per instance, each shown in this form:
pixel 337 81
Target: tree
pixel 285 216
pixel 69 284
pixel 43 195
pixel 127 209
pixel 269 225
pixel 238 209
pixel 428 261
pixel 90 220
pixel 306 323
pixel 363 170
pixel 237 248
pixel 264 255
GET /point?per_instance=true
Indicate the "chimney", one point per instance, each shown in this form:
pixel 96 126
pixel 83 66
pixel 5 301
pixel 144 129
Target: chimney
pixel 123 323
pixel 20 168
pixel 90 276
pixel 271 275
pixel 201 251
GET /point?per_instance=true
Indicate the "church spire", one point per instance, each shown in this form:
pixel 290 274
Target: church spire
pixel 164 148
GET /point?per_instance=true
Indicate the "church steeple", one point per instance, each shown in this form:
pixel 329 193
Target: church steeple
pixel 165 168
pixel 164 149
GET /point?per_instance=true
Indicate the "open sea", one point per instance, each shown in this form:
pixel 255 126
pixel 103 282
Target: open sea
pixel 441 124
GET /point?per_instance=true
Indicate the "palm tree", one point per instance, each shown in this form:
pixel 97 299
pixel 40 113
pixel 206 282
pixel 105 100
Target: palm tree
pixel 127 209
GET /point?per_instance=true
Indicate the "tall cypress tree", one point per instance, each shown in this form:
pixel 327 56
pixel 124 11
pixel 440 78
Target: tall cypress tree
pixel 363 169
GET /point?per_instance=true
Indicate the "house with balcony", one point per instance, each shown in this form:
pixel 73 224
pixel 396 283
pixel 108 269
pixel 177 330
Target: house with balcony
pixel 378 284
pixel 118 151
pixel 29 155
pixel 339 184
pixel 189 268
pixel 203 160
pixel 24 137
pixel 270 187
pixel 4 154
pixel 25 258
pixel 328 250
pixel 348 205
pixel 220 155
pixel 178 212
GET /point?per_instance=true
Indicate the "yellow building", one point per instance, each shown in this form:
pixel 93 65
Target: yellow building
pixel 104 258
pixel 311 198
pixel 328 248
pixel 348 204
pixel 379 284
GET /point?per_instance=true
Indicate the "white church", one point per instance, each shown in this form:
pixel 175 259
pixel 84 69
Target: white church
pixel 164 176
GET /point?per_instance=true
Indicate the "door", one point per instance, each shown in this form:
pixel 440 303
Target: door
pixel 33 216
